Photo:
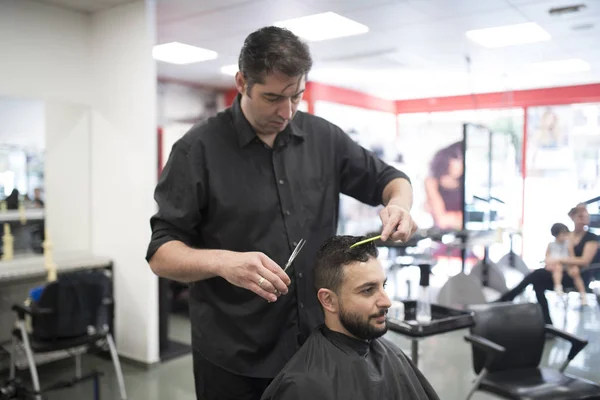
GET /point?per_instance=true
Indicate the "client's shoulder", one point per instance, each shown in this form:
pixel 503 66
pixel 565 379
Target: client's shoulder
pixel 390 348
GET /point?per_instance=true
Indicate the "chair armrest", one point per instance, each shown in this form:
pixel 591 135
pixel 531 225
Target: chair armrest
pixel 23 310
pixel 577 344
pixel 492 349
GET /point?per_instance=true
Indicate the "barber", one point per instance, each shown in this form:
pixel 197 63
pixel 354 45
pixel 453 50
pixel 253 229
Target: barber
pixel 237 194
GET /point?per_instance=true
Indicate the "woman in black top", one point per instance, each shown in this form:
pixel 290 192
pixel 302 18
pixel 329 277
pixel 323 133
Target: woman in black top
pixel 585 249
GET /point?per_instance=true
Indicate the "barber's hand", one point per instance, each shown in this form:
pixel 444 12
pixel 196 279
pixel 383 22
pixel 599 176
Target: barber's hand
pixel 397 224
pixel 247 270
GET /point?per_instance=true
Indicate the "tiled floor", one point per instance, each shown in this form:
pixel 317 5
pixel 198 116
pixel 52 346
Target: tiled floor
pixel 445 360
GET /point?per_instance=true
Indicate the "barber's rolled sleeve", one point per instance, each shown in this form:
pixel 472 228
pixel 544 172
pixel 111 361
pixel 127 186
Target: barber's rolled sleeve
pixel 363 175
pixel 179 195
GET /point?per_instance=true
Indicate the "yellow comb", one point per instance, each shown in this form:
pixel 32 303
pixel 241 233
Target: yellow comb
pixel 366 241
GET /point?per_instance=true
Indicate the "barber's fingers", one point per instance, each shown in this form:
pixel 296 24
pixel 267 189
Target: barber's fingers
pixel 262 292
pixel 387 223
pixel 274 268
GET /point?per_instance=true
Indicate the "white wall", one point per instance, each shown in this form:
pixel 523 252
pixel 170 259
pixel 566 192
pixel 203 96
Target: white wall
pixel 67 176
pixel 44 52
pixel 124 159
pixel 22 122
pixel 97 78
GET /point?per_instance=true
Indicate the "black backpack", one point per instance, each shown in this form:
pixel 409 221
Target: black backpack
pixel 76 306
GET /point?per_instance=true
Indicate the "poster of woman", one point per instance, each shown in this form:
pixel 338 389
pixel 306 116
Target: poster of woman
pixel 444 187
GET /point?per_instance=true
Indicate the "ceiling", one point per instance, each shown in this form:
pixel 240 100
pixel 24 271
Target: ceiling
pixel 414 48
pixel 87 5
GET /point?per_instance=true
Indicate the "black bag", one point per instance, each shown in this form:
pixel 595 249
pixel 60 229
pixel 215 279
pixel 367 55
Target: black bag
pixel 77 303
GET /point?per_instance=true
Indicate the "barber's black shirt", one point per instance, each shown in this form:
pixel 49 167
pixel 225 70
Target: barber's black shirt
pixel 223 188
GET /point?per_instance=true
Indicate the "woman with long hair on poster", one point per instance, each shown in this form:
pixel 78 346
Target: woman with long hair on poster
pixel 443 188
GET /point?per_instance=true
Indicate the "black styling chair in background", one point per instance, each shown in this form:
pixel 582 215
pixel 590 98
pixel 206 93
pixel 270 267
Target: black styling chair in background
pixel 508 341
pixel 72 315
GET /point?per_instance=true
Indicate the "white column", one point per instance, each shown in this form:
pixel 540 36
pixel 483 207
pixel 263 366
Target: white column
pixel 123 167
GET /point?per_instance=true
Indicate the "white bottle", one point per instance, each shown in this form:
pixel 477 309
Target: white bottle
pixel 423 306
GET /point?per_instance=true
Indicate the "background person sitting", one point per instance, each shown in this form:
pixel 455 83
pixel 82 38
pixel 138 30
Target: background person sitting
pixel 347 358
pixel 585 248
pixel 559 248
pixel 585 253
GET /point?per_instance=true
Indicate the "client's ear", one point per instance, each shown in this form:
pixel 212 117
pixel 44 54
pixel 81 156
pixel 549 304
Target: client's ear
pixel 328 300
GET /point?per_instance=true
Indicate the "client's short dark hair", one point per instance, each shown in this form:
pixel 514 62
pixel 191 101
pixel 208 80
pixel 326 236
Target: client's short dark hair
pixel 334 254
pixel 273 49
pixel 558 228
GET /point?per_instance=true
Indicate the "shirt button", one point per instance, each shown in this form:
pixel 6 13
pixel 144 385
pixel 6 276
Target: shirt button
pixel 300 274
pixel 295 243
pixel 287 212
pixel 301 305
pixel 266 146
pixel 281 182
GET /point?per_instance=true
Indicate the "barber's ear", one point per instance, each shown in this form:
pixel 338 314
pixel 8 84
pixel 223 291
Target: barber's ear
pixel 328 299
pixel 240 82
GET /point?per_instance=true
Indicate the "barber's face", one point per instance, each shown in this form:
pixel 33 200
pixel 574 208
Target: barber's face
pixel 363 302
pixel 270 106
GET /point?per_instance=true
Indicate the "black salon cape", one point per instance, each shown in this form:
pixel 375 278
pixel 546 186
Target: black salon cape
pixel 333 366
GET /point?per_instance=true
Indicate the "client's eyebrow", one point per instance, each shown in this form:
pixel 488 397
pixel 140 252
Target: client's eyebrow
pixel 367 285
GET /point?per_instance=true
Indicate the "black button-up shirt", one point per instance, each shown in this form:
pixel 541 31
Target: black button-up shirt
pixel 223 188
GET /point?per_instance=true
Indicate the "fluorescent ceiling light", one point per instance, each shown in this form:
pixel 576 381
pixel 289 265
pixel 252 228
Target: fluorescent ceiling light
pixel 509 35
pixel 229 69
pixel 323 26
pixel 179 53
pixel 560 66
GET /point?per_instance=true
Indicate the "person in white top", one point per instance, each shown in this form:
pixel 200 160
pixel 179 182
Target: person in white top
pixel 557 249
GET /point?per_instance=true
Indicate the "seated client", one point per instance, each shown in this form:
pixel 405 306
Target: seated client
pixel 347 358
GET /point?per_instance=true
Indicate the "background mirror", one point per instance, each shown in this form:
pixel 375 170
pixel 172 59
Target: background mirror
pixel 22 152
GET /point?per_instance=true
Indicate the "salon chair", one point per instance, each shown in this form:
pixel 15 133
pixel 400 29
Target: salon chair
pixel 71 314
pixel 507 343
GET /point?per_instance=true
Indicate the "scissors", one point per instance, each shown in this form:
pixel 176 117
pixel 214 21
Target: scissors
pixel 290 260
pixel 299 247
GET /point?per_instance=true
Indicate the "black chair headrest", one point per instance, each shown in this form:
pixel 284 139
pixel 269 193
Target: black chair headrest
pixel 519 328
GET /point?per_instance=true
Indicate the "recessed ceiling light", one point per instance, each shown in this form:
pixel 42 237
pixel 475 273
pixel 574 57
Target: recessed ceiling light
pixel 179 53
pixel 229 69
pixel 560 66
pixel 323 26
pixel 509 35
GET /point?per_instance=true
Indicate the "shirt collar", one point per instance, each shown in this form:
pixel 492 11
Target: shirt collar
pixel 246 133
pixel 347 343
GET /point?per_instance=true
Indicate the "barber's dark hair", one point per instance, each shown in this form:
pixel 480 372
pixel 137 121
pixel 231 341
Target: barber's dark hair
pixel 441 160
pixel 273 49
pixel 334 254
pixel 558 228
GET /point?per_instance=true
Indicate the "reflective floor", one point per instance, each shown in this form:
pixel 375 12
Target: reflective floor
pixel 445 360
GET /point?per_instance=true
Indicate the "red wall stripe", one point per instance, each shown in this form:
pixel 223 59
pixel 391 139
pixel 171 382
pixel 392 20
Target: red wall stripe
pixel 318 91
pixel 519 98
pixel 230 96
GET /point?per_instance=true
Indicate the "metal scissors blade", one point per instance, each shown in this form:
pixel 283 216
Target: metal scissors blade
pixel 294 254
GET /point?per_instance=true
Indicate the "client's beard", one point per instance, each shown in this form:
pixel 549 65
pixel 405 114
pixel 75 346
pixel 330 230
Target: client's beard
pixel 362 329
